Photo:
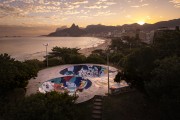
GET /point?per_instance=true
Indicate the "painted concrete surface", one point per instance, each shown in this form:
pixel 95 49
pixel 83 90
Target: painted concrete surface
pixel 97 74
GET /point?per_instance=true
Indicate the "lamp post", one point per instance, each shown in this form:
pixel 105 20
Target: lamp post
pixel 108 70
pixel 109 51
pixel 46 45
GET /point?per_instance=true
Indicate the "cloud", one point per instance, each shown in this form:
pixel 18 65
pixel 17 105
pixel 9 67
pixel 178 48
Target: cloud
pixel 71 12
pixel 128 16
pixel 95 7
pixel 53 3
pixel 71 7
pixel 8 1
pixel 80 2
pixel 85 12
pixel 135 6
pixel 144 5
pixel 6 10
pixel 101 4
pixel 177 6
pixel 138 6
pixel 105 2
pixel 110 3
pixel 141 0
pixel 31 1
pixel 176 3
pixel 106 13
pixel 84 17
pixel 45 9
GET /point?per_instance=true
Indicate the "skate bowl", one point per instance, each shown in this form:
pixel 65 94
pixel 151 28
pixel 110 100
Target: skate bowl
pixel 84 80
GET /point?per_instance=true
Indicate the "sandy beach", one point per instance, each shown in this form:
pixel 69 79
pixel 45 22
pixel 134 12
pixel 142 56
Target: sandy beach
pixel 85 51
pixel 88 51
pixel 26 48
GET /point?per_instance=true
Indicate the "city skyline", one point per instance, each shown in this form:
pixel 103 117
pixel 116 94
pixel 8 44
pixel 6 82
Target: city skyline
pixel 55 13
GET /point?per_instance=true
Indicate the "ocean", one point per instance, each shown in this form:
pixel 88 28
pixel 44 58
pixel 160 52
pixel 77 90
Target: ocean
pixel 25 48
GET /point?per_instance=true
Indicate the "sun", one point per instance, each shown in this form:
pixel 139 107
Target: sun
pixel 141 22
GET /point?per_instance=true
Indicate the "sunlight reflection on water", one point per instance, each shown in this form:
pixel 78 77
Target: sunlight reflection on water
pixel 23 48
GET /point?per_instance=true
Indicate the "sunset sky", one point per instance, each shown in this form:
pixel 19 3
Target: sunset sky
pixel 53 13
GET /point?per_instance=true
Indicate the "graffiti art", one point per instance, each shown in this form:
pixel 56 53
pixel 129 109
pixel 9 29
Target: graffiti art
pixel 85 71
pixel 67 83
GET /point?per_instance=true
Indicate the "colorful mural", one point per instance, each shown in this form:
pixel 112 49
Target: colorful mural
pixel 85 71
pixel 68 83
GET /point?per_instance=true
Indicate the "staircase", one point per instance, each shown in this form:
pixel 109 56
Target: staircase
pixel 97 108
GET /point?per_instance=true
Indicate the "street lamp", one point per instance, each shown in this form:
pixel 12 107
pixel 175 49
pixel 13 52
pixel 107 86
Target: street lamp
pixel 46 45
pixel 109 51
pixel 108 70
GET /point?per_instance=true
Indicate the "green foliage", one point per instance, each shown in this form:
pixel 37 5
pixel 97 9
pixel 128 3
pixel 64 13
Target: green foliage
pixel 116 58
pixel 167 43
pixel 138 66
pixel 49 106
pixel 36 64
pixel 165 86
pixel 15 74
pixel 155 71
pixel 77 59
pixel 94 58
pixel 125 45
pixel 165 81
pixel 65 55
pixel 119 77
pixel 98 51
pixel 118 44
pixel 55 61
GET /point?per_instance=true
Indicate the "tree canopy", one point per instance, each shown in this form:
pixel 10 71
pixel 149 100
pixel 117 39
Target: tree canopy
pixel 15 74
pixel 65 55
pixel 138 66
pixel 49 106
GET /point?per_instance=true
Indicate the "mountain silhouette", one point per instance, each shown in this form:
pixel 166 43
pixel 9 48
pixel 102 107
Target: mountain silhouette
pixel 75 31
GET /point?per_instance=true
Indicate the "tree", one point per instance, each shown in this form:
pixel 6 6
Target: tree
pixel 66 56
pixel 138 67
pixel 36 64
pixel 49 106
pixel 164 88
pixel 15 74
pixel 116 58
pixel 165 81
pixel 94 58
pixel 55 61
pixel 167 43
pixel 118 77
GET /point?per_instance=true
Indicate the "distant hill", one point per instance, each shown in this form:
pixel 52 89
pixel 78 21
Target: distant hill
pixel 75 31
pixel 149 27
pixel 168 24
pixel 92 29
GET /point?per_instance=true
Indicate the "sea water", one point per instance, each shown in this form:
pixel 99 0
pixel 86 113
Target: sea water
pixel 24 48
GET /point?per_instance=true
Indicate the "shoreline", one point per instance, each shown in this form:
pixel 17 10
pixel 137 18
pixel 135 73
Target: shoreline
pixel 87 51
pixel 84 51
